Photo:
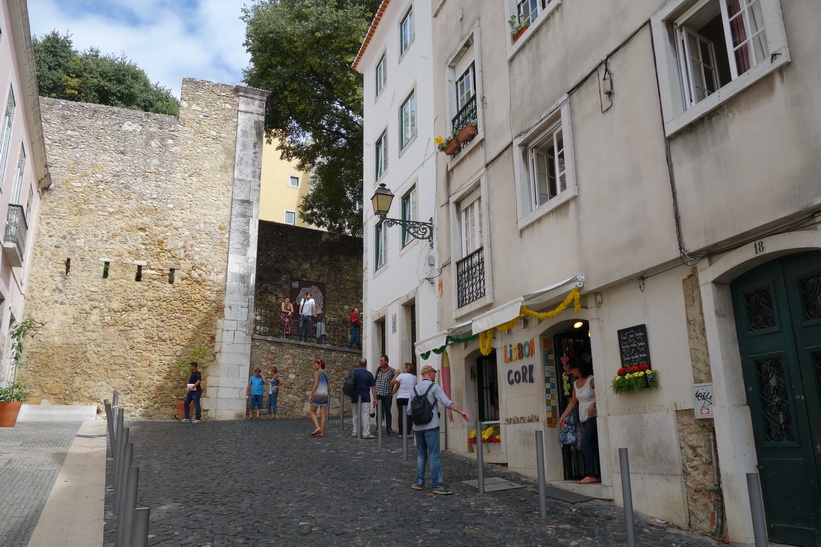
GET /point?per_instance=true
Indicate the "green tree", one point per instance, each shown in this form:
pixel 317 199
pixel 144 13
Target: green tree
pixel 302 50
pixel 64 73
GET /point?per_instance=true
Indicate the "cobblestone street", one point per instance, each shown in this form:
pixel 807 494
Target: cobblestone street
pixel 269 482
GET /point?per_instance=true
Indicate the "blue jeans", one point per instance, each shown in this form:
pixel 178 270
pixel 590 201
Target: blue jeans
pixel 192 396
pixel 256 402
pixel 272 402
pixel 355 338
pixel 590 447
pixel 427 448
pixel 305 323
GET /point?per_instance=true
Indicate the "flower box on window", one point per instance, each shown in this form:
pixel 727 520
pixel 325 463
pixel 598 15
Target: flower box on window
pixel 519 33
pixel 466 133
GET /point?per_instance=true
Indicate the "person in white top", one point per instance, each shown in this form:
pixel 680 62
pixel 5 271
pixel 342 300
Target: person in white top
pixel 306 316
pixel 406 382
pixel 584 396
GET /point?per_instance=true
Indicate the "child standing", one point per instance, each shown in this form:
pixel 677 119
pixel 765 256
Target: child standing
pixel 274 383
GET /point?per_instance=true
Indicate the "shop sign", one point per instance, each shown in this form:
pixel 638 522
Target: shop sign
pixel 703 397
pixel 517 352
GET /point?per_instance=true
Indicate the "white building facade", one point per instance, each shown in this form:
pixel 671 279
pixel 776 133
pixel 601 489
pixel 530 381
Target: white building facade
pixel 401 275
pixel 659 161
pixel 24 171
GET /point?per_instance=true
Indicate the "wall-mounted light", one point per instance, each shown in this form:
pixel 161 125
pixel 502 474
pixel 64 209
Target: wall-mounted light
pixel 381 202
pixel 578 324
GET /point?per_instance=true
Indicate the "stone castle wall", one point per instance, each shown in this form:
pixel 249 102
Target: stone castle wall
pixel 129 266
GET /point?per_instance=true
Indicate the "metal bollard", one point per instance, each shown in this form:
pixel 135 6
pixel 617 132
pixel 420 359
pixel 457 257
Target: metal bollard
pixel 403 424
pixel 757 509
pixel 119 489
pixel 114 398
pixel 379 422
pixel 109 420
pixel 359 418
pixel 341 412
pixel 119 447
pixel 125 522
pixel 627 495
pixel 540 472
pixel 139 532
pixel 480 457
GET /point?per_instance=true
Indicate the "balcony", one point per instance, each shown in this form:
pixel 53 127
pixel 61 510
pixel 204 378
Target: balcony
pixel 465 116
pixel 14 242
pixel 470 278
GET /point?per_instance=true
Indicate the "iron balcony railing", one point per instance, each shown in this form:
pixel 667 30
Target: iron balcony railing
pixel 16 229
pixel 466 115
pixel 470 277
pixel 268 322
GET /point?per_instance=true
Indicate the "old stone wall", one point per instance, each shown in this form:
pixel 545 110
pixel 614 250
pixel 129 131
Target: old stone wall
pixel 697 437
pixel 129 265
pixel 289 253
pixel 294 362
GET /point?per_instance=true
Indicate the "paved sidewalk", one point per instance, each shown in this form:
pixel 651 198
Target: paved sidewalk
pixel 269 482
pixel 31 455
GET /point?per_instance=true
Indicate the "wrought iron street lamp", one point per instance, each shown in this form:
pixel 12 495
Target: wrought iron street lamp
pixel 381 201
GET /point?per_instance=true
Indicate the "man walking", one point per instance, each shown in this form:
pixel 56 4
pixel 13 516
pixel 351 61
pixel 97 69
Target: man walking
pixel 427 435
pixel 356 329
pixel 306 316
pixel 365 387
pixel 385 390
pixel 193 392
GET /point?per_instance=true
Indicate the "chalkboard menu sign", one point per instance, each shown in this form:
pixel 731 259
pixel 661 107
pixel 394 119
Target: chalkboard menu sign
pixel 633 346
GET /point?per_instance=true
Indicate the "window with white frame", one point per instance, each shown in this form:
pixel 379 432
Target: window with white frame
pixel 407 120
pixel 406 32
pixel 408 213
pixel 290 217
pixel 293 181
pixel 380 238
pixel 707 45
pixel 470 222
pixel 544 165
pixel 5 131
pixel 464 74
pixel 465 87
pixel 380 75
pixel 381 155
pixel 18 177
pixel 527 13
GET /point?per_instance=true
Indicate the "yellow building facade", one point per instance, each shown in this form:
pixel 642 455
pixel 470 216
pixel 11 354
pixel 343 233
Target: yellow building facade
pixel 282 188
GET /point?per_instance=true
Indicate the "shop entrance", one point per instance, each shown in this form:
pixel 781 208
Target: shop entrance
pixel 778 319
pixel 569 343
pixel 488 385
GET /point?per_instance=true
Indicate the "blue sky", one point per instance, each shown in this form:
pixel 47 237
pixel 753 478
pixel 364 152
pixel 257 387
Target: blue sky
pixel 169 39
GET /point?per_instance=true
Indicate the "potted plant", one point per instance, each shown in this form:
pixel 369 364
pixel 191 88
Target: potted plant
pixel 635 378
pixel 450 146
pixel 14 393
pixel 467 132
pixel 517 28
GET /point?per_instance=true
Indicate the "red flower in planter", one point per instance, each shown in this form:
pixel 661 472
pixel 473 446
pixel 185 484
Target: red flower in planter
pixel 622 371
pixel 634 369
pixel 645 366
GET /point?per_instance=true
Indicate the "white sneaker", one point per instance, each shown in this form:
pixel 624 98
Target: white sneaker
pixel 184 421
pixel 195 421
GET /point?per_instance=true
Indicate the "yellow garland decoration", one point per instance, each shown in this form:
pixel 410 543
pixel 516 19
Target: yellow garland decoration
pixel 486 341
pixel 486 337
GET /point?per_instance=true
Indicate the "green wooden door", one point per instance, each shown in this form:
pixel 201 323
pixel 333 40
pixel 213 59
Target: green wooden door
pixel 778 319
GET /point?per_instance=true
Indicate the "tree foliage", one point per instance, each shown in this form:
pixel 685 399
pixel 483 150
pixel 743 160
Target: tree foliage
pixel 302 50
pixel 89 77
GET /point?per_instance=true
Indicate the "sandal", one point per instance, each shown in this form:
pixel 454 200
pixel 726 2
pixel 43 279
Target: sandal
pixel 588 480
pixel 321 434
pixel 316 431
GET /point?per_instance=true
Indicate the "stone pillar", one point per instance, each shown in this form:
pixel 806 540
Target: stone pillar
pixel 227 378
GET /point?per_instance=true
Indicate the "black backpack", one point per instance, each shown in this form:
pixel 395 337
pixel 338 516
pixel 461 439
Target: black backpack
pixel 349 387
pixel 421 407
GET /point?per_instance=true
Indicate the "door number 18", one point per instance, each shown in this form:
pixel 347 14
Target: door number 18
pixel 758 247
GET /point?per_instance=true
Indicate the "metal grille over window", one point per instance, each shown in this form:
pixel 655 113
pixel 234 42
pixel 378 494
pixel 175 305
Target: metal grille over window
pixel 466 115
pixel 775 401
pixel 760 313
pixel 811 296
pixel 470 277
